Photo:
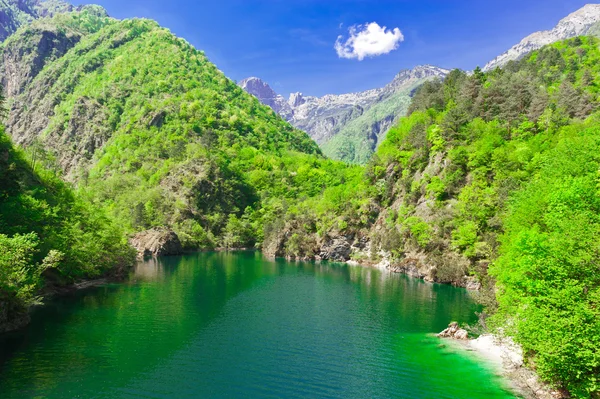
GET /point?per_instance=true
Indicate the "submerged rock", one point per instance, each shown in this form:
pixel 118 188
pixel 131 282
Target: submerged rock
pixel 157 242
pixel 455 332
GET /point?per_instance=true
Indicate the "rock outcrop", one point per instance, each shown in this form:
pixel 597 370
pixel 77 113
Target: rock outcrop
pixel 156 242
pixel 582 22
pixel 21 62
pixel 455 332
pixel 268 96
pixel 414 267
pixel 336 249
pixel 361 118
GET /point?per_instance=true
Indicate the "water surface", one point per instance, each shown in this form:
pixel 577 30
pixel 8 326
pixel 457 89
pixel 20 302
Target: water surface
pixel 235 325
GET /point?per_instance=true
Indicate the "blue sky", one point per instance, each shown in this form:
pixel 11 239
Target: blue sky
pixel 290 43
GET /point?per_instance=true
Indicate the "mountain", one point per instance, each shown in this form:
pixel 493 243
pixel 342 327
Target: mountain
pixel 584 21
pixel 151 131
pixel 491 181
pixel 348 127
pixel 268 96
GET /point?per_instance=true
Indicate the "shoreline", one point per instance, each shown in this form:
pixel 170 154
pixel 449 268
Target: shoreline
pixel 501 353
pixel 506 357
pixel 57 291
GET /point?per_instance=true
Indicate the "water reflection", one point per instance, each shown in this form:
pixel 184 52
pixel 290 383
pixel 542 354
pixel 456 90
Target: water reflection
pixel 238 325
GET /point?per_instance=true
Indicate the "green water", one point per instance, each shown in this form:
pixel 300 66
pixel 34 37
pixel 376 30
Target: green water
pixel 218 325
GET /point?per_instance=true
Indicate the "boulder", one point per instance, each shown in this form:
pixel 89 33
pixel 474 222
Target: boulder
pixel 157 242
pixel 336 250
pixel 455 332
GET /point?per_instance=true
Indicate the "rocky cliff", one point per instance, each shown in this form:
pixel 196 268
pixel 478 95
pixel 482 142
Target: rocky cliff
pixel 32 105
pixel 156 242
pixel 582 22
pixel 268 96
pixel 361 119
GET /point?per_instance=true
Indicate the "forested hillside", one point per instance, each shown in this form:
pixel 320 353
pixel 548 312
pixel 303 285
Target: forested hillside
pixel 151 131
pixel 49 236
pixel 494 176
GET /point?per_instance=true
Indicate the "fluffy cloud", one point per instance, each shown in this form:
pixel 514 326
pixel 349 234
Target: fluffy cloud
pixel 369 40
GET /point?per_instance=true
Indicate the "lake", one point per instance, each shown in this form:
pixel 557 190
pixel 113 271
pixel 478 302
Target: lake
pixel 236 325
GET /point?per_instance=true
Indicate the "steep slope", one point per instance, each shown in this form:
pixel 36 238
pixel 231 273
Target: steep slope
pixel 349 126
pixel 146 126
pixel 581 22
pixel 48 235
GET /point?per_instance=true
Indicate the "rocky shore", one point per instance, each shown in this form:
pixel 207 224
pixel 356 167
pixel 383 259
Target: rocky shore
pixel 156 242
pixel 504 354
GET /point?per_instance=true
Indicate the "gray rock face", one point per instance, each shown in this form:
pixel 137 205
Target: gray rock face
pixel 157 242
pixel 22 63
pixel 455 332
pixel 33 95
pixel 267 96
pixel 336 249
pixel 414 267
pixel 324 117
pixel 581 22
pixel 23 58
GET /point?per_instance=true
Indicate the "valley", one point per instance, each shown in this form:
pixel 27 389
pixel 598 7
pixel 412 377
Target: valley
pixel 119 134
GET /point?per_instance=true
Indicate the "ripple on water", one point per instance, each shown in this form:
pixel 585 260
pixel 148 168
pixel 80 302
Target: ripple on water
pixel 235 325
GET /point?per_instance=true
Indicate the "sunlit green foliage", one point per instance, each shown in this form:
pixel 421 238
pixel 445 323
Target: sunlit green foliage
pixel 518 189
pixel 44 226
pixel 548 272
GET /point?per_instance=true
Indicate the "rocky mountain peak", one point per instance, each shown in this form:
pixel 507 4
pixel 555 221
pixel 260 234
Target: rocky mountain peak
pixel 266 95
pixel 575 24
pixel 369 113
pixel 257 87
pixel 296 100
pixel 419 72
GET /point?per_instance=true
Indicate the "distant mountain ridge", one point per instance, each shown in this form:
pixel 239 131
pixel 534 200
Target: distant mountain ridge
pixel 585 21
pixel 327 117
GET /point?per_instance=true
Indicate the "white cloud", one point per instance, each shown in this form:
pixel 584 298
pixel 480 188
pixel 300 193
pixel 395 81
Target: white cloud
pixel 368 40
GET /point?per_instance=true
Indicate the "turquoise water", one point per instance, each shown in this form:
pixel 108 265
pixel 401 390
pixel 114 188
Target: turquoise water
pixel 235 325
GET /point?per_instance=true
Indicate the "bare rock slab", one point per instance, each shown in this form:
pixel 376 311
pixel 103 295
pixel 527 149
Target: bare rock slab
pixel 157 242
